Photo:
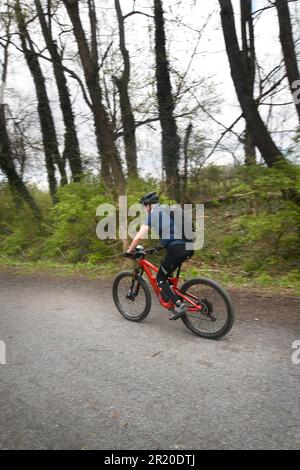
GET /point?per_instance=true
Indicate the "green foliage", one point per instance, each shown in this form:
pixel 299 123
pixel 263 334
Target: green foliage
pixel 68 232
pixel 254 232
pixel 19 230
pixel 73 223
pixel 256 228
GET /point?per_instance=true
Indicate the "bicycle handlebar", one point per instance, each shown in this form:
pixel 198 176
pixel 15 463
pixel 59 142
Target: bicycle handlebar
pixel 155 249
pixel 138 252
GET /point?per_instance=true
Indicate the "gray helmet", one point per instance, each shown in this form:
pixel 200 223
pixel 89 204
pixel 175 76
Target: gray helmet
pixel 150 198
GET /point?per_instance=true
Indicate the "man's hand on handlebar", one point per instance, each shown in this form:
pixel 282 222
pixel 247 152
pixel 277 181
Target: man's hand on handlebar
pixel 140 251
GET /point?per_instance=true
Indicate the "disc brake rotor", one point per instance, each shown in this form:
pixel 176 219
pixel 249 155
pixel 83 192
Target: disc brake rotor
pixel 206 310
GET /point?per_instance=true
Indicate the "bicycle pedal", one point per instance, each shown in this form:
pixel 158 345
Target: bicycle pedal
pixel 175 316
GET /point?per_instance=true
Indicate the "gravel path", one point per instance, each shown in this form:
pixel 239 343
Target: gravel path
pixel 79 376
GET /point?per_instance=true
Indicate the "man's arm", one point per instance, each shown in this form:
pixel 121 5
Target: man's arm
pixel 141 234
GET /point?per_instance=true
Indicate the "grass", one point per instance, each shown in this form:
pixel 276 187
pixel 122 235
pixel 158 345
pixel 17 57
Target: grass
pixel 288 284
pixel 61 269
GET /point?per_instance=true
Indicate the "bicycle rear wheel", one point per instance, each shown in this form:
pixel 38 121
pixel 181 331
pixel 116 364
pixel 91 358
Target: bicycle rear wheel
pixel 132 299
pixel 217 313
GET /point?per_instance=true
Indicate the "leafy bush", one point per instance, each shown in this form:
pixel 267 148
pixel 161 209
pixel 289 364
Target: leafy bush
pixel 19 230
pixel 256 229
pixel 73 223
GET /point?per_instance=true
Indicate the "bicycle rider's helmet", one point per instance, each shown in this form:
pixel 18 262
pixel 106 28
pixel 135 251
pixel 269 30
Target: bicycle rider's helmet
pixel 150 198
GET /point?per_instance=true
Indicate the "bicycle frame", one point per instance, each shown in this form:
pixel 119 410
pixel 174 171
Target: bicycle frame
pixel 149 269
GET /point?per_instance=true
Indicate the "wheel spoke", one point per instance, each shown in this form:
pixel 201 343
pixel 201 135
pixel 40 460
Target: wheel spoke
pixel 131 308
pixel 214 302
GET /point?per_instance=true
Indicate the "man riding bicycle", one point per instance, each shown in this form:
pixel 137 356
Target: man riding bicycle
pixel 172 239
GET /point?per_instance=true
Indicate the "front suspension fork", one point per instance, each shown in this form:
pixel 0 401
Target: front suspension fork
pixel 133 293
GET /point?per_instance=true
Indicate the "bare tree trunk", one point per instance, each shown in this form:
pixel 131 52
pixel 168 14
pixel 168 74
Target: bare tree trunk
pixel 94 59
pixel 94 27
pixel 125 104
pixel 249 148
pixel 71 145
pixel 185 154
pixel 248 50
pixel 7 166
pixel 170 138
pixel 256 127
pixel 104 131
pixel 50 143
pixel 288 46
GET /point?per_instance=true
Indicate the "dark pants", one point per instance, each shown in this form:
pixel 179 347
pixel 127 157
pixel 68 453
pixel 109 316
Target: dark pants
pixel 174 257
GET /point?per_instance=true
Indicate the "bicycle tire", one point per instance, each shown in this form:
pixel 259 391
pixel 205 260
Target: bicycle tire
pixel 228 303
pixel 118 303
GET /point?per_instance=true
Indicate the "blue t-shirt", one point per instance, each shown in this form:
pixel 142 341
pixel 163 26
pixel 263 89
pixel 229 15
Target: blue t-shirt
pixel 168 228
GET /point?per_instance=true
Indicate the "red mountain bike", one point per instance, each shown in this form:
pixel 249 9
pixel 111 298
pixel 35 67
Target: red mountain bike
pixel 210 313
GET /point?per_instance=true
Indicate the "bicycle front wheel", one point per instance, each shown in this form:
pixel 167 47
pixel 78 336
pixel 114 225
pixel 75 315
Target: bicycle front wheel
pixel 132 299
pixel 217 313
